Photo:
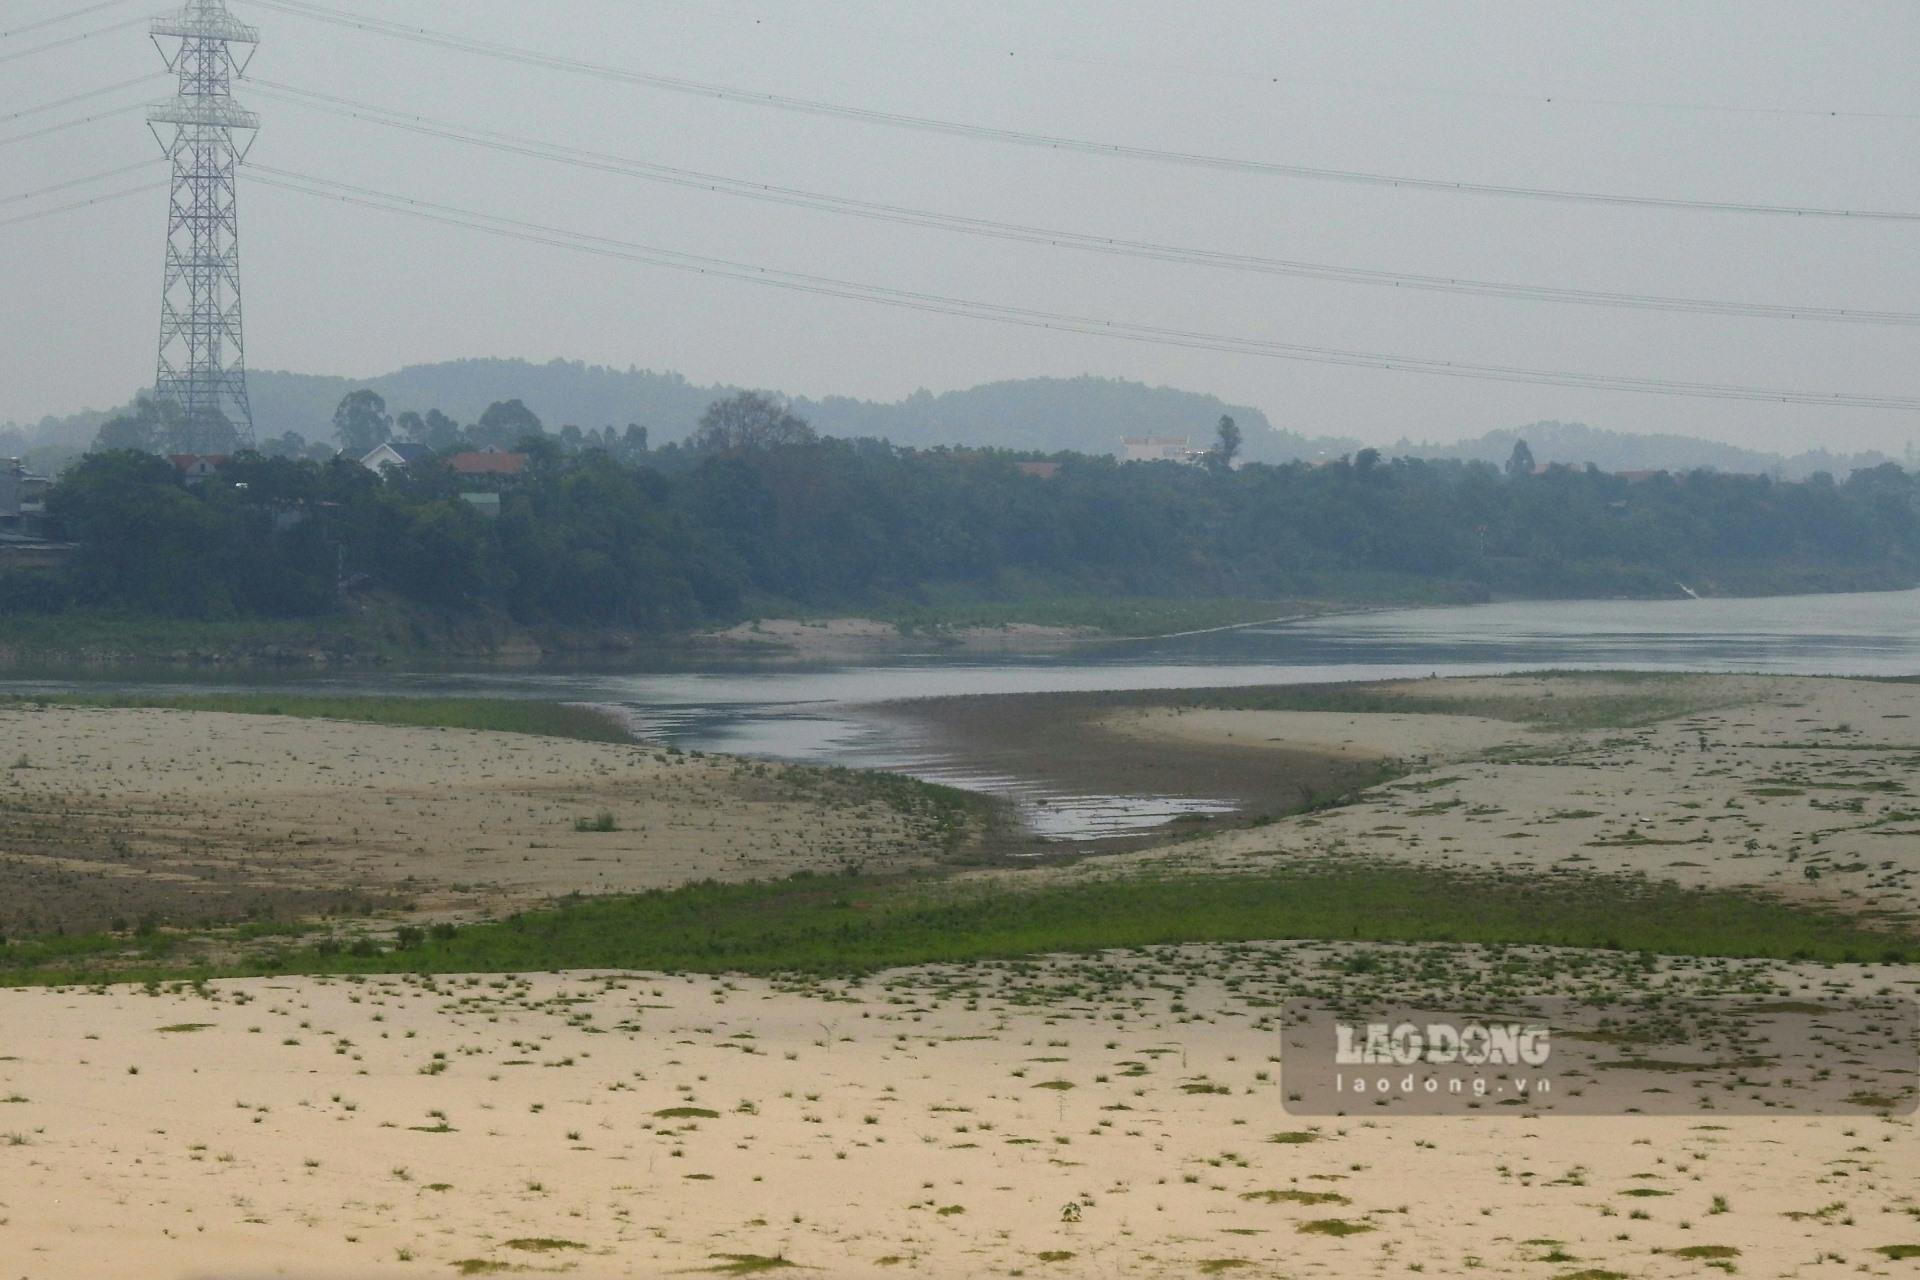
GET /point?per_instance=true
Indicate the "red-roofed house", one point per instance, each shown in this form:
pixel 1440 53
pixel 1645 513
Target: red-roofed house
pixel 490 463
pixel 195 467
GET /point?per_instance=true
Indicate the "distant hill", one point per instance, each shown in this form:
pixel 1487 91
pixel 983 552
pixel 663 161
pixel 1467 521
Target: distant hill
pixel 1085 414
pixel 1578 444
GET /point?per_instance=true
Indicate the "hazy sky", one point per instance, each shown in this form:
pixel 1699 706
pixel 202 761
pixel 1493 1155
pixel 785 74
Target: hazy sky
pixel 1452 89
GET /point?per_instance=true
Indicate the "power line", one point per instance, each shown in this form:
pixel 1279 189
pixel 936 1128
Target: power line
pixel 801 282
pixel 60 17
pixel 945 41
pixel 64 41
pixel 82 204
pixel 81 97
pixel 80 182
pixel 1047 236
pixel 1127 151
pixel 72 124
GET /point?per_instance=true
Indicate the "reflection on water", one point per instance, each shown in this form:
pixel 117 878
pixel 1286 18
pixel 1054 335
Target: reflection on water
pixel 812 712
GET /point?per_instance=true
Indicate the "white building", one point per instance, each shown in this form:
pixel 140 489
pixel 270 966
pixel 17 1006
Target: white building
pixel 1159 449
pixel 395 453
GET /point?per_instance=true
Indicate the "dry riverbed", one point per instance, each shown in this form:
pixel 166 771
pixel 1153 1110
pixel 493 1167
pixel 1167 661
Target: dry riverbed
pixel 1118 1114
pixel 1115 1115
pixel 118 815
pixel 1809 788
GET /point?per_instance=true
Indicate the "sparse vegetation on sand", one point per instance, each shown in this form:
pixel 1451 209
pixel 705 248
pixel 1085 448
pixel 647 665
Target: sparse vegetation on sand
pixel 498 715
pixel 853 924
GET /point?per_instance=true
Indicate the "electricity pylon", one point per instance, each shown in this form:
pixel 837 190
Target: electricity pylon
pixel 202 351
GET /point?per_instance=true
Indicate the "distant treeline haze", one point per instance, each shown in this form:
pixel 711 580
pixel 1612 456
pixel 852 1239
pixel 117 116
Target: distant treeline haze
pixel 755 511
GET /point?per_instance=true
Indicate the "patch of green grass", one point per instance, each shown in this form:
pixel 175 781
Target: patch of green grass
pixel 1705 1252
pixel 496 715
pixel 542 1244
pixel 180 1028
pixel 1291 1196
pixel 1878 1101
pixel 144 638
pixel 686 1113
pixel 1898 1252
pixel 746 1264
pixel 1333 1227
pixel 857 924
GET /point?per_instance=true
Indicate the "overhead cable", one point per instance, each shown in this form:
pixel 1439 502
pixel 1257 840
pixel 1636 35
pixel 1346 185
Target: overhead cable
pixel 1125 151
pixel 1053 237
pixel 800 282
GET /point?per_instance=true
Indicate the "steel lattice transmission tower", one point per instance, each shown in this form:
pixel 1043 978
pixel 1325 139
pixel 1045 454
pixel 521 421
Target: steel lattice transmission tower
pixel 202 353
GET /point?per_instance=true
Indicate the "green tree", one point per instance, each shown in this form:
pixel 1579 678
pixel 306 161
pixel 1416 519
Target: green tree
pixel 147 428
pixel 145 542
pixel 749 422
pixel 504 425
pixel 438 432
pixel 1520 461
pixel 1226 445
pixel 632 445
pixel 361 423
pixel 207 432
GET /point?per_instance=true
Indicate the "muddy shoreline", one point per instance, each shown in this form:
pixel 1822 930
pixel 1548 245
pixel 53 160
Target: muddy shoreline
pixel 1062 741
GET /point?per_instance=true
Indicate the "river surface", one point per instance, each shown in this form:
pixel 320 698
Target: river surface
pixel 814 712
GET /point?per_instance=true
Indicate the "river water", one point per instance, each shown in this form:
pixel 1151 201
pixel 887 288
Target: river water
pixel 815 712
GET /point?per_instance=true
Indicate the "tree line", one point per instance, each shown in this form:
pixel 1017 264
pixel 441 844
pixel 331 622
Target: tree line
pixel 756 512
pixel 361 423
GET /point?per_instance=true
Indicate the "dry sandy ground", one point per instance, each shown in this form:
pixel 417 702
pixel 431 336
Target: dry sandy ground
pixel 198 815
pixel 937 1122
pixel 1351 735
pixel 1790 776
pixel 915 1124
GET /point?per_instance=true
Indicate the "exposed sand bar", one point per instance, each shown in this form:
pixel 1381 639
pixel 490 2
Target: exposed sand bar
pixel 117 813
pixel 1347 735
pixel 1805 787
pixel 907 1125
